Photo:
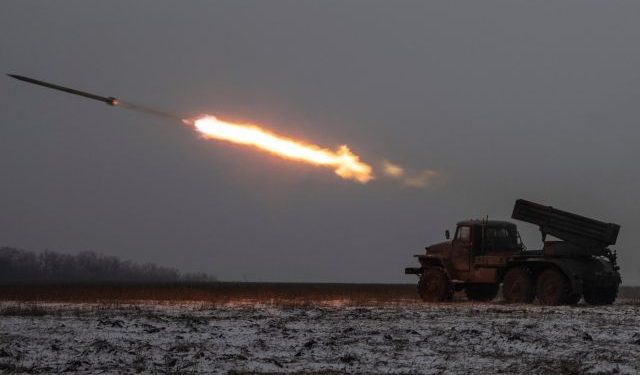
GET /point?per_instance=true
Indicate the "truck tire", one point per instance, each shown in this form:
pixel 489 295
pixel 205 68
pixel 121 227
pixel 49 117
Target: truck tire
pixel 434 285
pixel 600 295
pixel 481 292
pixel 517 286
pixel 553 288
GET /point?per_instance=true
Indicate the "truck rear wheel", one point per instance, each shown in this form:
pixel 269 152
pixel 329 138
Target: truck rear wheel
pixel 434 285
pixel 517 286
pixel 600 295
pixel 481 292
pixel 553 288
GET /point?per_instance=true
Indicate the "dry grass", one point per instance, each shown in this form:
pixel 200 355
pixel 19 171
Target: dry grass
pixel 294 294
pixel 630 292
pixel 297 294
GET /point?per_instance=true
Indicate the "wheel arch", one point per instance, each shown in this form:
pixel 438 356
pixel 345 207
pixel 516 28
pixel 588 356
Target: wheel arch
pixel 428 261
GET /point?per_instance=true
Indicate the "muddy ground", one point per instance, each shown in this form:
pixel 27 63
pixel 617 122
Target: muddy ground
pixel 331 336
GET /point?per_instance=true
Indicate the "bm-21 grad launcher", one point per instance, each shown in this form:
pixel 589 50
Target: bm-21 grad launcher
pixel 574 262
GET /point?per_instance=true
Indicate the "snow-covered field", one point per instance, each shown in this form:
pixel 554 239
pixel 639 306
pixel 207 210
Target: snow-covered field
pixel 328 337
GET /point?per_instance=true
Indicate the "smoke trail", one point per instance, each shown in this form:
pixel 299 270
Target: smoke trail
pixel 345 163
pixel 422 179
pixel 147 110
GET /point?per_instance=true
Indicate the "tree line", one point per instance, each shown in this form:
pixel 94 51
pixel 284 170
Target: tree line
pixel 18 265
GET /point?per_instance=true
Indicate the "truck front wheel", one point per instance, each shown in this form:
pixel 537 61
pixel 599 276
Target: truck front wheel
pixel 434 285
pixel 517 286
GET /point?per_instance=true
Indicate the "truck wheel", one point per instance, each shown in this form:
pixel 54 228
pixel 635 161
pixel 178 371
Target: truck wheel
pixel 434 285
pixel 553 288
pixel 600 295
pixel 517 286
pixel 481 292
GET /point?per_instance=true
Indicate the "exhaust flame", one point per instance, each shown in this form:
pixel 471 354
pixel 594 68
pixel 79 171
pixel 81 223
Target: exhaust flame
pixel 345 163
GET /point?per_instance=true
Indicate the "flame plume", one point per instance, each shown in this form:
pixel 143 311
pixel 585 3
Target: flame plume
pixel 345 163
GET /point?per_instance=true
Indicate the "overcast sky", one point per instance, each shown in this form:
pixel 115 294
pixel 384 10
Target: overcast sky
pixel 506 99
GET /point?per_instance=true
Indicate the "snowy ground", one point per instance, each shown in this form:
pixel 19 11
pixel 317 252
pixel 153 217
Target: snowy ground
pixel 330 337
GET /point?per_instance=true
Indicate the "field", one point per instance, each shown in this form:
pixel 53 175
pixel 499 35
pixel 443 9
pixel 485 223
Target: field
pixel 304 328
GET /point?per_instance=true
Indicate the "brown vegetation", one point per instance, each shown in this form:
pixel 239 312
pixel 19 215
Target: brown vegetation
pixel 223 292
pixel 214 292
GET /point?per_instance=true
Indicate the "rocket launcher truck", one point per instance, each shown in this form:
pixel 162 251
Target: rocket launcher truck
pixel 575 261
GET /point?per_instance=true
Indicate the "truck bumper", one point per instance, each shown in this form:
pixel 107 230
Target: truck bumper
pixel 413 271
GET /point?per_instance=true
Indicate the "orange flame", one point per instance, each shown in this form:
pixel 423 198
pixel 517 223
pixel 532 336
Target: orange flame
pixel 345 163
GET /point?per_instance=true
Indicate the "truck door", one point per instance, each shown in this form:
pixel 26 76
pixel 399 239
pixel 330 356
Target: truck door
pixel 461 252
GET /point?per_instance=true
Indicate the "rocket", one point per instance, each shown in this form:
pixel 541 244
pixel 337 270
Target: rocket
pixel 110 100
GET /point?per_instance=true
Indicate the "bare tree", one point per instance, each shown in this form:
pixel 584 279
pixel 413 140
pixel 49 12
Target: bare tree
pixel 17 265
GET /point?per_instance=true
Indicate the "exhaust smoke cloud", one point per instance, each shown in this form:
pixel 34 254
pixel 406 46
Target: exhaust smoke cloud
pixel 420 179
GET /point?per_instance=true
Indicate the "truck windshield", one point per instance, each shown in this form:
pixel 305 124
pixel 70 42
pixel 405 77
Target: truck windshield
pixel 500 239
pixel 463 233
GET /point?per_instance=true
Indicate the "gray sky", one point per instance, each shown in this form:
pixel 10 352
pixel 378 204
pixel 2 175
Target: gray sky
pixel 507 99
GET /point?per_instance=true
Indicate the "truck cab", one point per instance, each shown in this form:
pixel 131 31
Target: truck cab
pixel 472 259
pixel 480 243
